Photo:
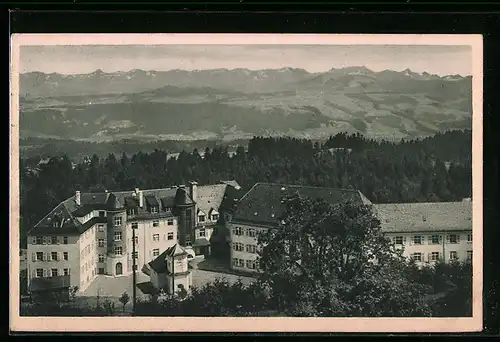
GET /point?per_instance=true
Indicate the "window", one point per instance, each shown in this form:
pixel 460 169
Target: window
pixel 156 252
pixel 39 240
pixel 469 255
pixel 251 248
pixel 135 225
pixel 453 255
pixel 398 240
pixel 65 256
pixel 118 236
pixel 102 213
pixel 66 271
pixel 135 255
pixel 434 256
pixel 156 223
pixel 434 239
pixel 417 256
pixel 53 272
pixel 453 238
pixel 202 233
pixel 238 262
pixel 65 240
pixel 418 240
pixel 100 228
pixel 136 240
pixel 39 256
pixel 118 250
pixel 53 240
pixel 154 209
pixel 101 257
pixel 201 218
pixel 156 237
pixel 250 264
pixel 53 256
pixel 215 217
pixel 469 238
pixel 39 272
pixel 100 242
pixel 237 246
pixel 237 231
pixel 101 270
pixel 118 220
pixel 170 236
pixel 170 222
pixel 132 211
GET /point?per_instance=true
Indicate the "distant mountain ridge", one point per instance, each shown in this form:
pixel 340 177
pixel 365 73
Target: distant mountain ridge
pixel 239 103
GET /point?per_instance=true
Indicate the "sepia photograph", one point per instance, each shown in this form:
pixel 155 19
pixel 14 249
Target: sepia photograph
pixel 204 178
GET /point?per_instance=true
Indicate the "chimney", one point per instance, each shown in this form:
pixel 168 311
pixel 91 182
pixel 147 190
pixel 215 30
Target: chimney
pixel 141 199
pixel 193 191
pixel 77 198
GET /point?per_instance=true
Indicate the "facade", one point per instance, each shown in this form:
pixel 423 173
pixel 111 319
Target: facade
pixel 170 270
pixel 92 233
pixel 427 232
pixel 259 210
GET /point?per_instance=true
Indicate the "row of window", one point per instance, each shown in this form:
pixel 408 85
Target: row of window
pixel 201 217
pixel 51 256
pixel 239 247
pixel 242 231
pixel 49 240
pixel 431 239
pixel 53 272
pixel 251 264
pixel 435 256
pixel 155 223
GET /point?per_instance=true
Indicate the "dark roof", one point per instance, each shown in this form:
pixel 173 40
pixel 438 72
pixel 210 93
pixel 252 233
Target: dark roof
pixel 209 196
pixel 131 202
pixel 182 197
pixel 263 203
pixel 159 265
pixel 201 242
pixel 425 217
pixel 151 201
pixel 50 283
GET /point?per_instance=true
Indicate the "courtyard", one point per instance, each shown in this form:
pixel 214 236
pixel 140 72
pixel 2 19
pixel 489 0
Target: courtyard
pixel 111 288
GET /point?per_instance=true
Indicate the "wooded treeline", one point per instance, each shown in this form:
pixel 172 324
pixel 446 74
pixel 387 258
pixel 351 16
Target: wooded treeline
pixel 437 168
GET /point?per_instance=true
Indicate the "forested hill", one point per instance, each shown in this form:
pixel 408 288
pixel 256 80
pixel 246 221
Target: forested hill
pixel 437 168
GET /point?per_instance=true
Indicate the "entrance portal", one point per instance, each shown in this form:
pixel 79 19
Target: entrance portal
pixel 119 268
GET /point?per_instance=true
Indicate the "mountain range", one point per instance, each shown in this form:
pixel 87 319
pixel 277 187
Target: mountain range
pixel 236 104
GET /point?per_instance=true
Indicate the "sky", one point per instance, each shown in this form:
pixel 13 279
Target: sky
pixel 80 59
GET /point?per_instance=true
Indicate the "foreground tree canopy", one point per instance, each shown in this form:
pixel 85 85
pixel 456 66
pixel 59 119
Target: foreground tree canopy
pixel 333 260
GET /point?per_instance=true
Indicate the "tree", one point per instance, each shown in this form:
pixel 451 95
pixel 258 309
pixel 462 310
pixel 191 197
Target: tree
pixel 124 299
pixel 333 260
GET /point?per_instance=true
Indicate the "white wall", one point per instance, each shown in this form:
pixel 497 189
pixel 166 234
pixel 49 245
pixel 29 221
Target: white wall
pixel 443 248
pixel 245 240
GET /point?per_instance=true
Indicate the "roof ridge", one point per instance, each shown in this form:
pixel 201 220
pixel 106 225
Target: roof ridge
pixel 307 186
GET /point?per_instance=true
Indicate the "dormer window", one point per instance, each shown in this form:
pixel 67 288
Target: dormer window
pixel 201 218
pixel 215 217
pixel 55 223
pixel 154 209
pixel 132 211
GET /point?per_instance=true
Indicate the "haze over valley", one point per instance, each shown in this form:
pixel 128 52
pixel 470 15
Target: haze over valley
pixel 222 104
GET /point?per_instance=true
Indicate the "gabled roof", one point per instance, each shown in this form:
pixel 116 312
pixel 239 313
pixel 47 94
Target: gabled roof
pixel 263 203
pixel 151 201
pixel 425 217
pixel 211 196
pixel 159 265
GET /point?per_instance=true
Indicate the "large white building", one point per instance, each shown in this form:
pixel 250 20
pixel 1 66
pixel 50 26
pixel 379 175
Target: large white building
pixel 91 233
pixel 426 232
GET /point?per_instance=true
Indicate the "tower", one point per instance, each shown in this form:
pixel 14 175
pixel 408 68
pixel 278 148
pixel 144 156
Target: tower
pixel 185 210
pixel 178 275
